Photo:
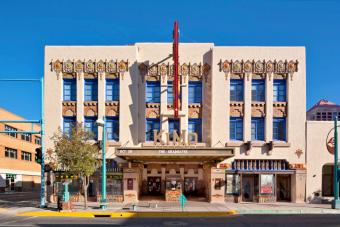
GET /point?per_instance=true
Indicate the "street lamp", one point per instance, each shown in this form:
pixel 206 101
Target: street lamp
pixel 336 201
pixel 101 123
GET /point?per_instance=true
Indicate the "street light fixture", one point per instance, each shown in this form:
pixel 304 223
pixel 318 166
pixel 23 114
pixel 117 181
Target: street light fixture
pixel 101 123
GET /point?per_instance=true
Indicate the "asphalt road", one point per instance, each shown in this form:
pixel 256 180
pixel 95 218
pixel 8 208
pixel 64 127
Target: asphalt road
pixel 236 220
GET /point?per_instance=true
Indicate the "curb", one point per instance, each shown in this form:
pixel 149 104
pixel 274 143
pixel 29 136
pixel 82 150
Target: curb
pixel 89 214
pixel 323 211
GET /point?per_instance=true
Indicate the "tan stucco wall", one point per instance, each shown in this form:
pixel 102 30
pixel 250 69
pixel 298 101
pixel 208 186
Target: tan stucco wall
pixel 317 156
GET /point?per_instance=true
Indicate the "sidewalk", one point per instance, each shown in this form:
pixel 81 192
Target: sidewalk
pixel 161 208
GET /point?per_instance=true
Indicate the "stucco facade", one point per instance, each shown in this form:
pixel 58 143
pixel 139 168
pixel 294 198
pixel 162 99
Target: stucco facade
pixel 207 163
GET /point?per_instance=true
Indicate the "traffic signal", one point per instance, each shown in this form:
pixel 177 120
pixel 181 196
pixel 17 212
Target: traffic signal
pixel 38 155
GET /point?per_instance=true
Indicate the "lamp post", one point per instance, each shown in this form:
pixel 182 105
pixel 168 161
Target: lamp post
pixel 336 201
pixel 101 123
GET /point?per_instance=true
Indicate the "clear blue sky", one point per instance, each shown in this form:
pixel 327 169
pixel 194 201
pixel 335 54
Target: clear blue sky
pixel 27 26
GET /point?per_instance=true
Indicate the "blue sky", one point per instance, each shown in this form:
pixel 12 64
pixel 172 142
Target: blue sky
pixel 27 26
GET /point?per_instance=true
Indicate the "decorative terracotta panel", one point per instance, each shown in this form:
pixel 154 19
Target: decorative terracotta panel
pixel 90 109
pixel 236 109
pixel 69 108
pixel 152 110
pixel 112 109
pixel 279 109
pixel 195 111
pixel 258 109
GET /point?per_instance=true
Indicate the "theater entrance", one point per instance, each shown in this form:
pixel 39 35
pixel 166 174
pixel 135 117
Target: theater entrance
pixel 190 186
pixel 154 185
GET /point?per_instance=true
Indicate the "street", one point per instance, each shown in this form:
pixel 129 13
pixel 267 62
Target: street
pixel 236 220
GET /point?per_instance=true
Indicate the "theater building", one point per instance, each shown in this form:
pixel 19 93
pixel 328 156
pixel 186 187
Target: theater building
pixel 240 134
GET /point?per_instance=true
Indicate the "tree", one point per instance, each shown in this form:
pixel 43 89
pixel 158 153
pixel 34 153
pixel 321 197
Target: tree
pixel 75 154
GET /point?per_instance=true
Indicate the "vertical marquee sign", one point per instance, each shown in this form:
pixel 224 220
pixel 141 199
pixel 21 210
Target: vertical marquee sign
pixel 175 71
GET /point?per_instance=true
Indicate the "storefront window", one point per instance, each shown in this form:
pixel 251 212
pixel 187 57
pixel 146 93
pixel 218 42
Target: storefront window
pixel 233 184
pixel 173 184
pixel 267 184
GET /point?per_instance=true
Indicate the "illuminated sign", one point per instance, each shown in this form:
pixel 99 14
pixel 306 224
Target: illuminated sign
pixel 180 140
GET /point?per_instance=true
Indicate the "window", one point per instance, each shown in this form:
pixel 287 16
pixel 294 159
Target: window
pixel 170 93
pixel 68 124
pixel 70 89
pixel 91 90
pixel 236 90
pixel 37 140
pixel 258 90
pixel 91 127
pixel 9 128
pixel 112 128
pixel 173 125
pixel 151 124
pixel 112 90
pixel 26 156
pixel 236 128
pixel 195 92
pixel 25 136
pixel 257 128
pixel 11 153
pixel 279 129
pixel 279 90
pixel 195 125
pixel 153 92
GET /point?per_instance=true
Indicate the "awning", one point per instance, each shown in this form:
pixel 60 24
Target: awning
pixel 177 154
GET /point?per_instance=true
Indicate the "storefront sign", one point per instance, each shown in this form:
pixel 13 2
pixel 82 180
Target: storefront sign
pixel 330 145
pixel 177 140
pixel 173 151
pixel 267 184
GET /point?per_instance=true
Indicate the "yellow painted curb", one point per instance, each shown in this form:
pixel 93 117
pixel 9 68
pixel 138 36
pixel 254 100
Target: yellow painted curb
pixel 91 214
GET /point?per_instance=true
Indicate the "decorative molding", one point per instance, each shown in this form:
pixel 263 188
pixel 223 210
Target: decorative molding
pixel 69 108
pixel 258 67
pixel 112 109
pixel 155 72
pixel 258 109
pixel 279 109
pixel 90 66
pixel 91 108
pixel 195 111
pixel 236 109
pixel 152 110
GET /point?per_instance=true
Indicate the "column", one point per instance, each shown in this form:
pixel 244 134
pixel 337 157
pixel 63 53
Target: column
pixel 247 108
pixel 80 97
pixel 289 110
pixel 228 108
pixel 269 108
pixel 184 105
pixel 163 107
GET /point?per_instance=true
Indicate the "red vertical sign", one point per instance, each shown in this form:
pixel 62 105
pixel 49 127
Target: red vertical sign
pixel 175 71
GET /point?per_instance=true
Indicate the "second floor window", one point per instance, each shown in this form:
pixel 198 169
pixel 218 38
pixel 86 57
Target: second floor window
pixel 91 127
pixel 257 128
pixel 91 90
pixel 195 92
pixel 26 156
pixel 279 129
pixel 11 153
pixel 70 89
pixel 195 125
pixel 9 128
pixel 236 90
pixel 258 90
pixel 112 128
pixel 153 92
pixel 112 90
pixel 279 91
pixel 174 124
pixel 26 137
pixel 236 128
pixel 68 124
pixel 170 91
pixel 151 125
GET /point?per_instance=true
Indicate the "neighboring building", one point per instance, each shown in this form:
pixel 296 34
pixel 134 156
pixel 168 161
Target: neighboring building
pixel 18 169
pixel 323 110
pixel 241 122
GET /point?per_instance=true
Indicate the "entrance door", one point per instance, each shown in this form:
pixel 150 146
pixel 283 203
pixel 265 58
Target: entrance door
pixel 283 188
pixel 154 185
pixel 190 186
pixel 247 188
pixel 10 183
